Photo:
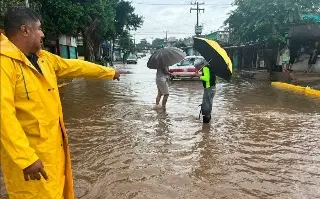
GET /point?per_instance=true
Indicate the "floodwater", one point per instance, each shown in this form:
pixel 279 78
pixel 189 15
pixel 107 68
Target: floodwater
pixel 262 142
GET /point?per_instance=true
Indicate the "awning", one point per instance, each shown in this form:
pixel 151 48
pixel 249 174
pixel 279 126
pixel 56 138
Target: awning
pixel 312 17
pixel 309 31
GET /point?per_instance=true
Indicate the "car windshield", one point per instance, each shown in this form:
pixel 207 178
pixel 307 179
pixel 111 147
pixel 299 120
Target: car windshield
pixel 187 62
pixel 198 60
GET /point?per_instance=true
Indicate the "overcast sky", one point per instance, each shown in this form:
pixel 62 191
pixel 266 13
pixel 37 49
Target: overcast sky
pixel 177 19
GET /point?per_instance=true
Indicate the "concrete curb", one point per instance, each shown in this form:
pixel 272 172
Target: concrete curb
pixel 62 85
pixel 298 89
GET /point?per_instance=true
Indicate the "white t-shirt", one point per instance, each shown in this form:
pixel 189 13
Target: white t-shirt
pixel 162 75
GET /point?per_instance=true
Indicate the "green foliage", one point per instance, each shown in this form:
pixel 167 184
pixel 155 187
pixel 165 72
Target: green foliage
pixel 143 45
pixel 266 21
pixel 69 17
pixel 96 20
pixel 103 13
pixel 4 4
pixel 180 44
pixel 126 42
pixel 61 16
pixel 125 18
pixel 158 43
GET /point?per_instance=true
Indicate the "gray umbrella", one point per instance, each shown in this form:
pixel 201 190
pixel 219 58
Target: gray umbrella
pixel 165 57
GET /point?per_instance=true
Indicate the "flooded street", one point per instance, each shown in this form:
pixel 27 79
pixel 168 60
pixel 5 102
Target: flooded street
pixel 262 142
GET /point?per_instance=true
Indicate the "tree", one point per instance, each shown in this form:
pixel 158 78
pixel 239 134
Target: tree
pixel 180 44
pixel 96 20
pixel 125 18
pixel 144 44
pixel 126 43
pixel 5 4
pixel 125 21
pixel 61 17
pixel 97 25
pixel 158 43
pixel 91 18
pixel 266 21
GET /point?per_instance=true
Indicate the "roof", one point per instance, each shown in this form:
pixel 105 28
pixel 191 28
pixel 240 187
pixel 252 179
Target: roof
pixel 305 31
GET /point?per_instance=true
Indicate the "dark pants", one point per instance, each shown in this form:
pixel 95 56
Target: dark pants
pixel 207 102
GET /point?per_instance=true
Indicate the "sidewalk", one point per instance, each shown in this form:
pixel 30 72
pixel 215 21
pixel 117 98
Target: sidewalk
pixel 296 77
pixel 296 81
pixel 297 89
pixel 300 82
pixel 306 79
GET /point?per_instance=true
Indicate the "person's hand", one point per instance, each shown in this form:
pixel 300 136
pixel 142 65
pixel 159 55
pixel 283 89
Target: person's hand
pixel 196 74
pixel 172 76
pixel 35 171
pixel 117 75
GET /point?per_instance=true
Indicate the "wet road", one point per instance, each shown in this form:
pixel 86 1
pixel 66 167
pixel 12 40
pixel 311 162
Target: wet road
pixel 261 143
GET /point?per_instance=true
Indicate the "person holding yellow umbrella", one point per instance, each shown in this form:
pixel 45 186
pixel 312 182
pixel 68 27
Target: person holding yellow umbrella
pixel 209 84
pixel 218 64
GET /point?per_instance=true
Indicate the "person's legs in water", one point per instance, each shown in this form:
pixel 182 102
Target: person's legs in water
pixel 158 97
pixel 163 90
pixel 207 102
pixel 164 100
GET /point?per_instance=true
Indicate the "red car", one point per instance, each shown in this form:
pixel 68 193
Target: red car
pixel 185 68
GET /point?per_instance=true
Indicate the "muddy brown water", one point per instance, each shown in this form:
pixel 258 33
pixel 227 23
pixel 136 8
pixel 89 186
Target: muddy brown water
pixel 262 142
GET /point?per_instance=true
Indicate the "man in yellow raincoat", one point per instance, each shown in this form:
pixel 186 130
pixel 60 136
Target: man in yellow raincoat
pixel 35 156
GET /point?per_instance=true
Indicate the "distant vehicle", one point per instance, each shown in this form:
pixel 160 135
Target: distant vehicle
pixel 141 55
pixel 186 68
pixel 132 59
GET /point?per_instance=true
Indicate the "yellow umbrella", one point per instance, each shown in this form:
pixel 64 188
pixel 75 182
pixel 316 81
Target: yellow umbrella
pixel 217 57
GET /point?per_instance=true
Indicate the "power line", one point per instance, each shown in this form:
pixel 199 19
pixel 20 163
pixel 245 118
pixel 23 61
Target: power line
pixel 171 33
pixel 180 20
pixel 171 4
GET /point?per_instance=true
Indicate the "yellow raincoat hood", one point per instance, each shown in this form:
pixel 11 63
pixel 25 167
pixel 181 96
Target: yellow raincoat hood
pixel 32 124
pixel 9 49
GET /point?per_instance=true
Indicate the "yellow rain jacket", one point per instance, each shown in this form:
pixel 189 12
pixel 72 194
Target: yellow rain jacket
pixel 32 124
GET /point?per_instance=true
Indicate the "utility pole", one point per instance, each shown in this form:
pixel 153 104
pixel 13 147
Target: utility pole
pixel 166 38
pixel 198 29
pixel 134 42
pixel 27 3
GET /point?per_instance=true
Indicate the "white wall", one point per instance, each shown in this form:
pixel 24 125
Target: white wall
pixel 68 41
pixel 303 65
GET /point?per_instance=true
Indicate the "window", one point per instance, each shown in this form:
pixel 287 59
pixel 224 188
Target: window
pixel 198 60
pixel 186 62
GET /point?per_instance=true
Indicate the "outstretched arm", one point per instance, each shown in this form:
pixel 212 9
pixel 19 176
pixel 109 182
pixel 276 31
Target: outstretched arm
pixel 78 68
